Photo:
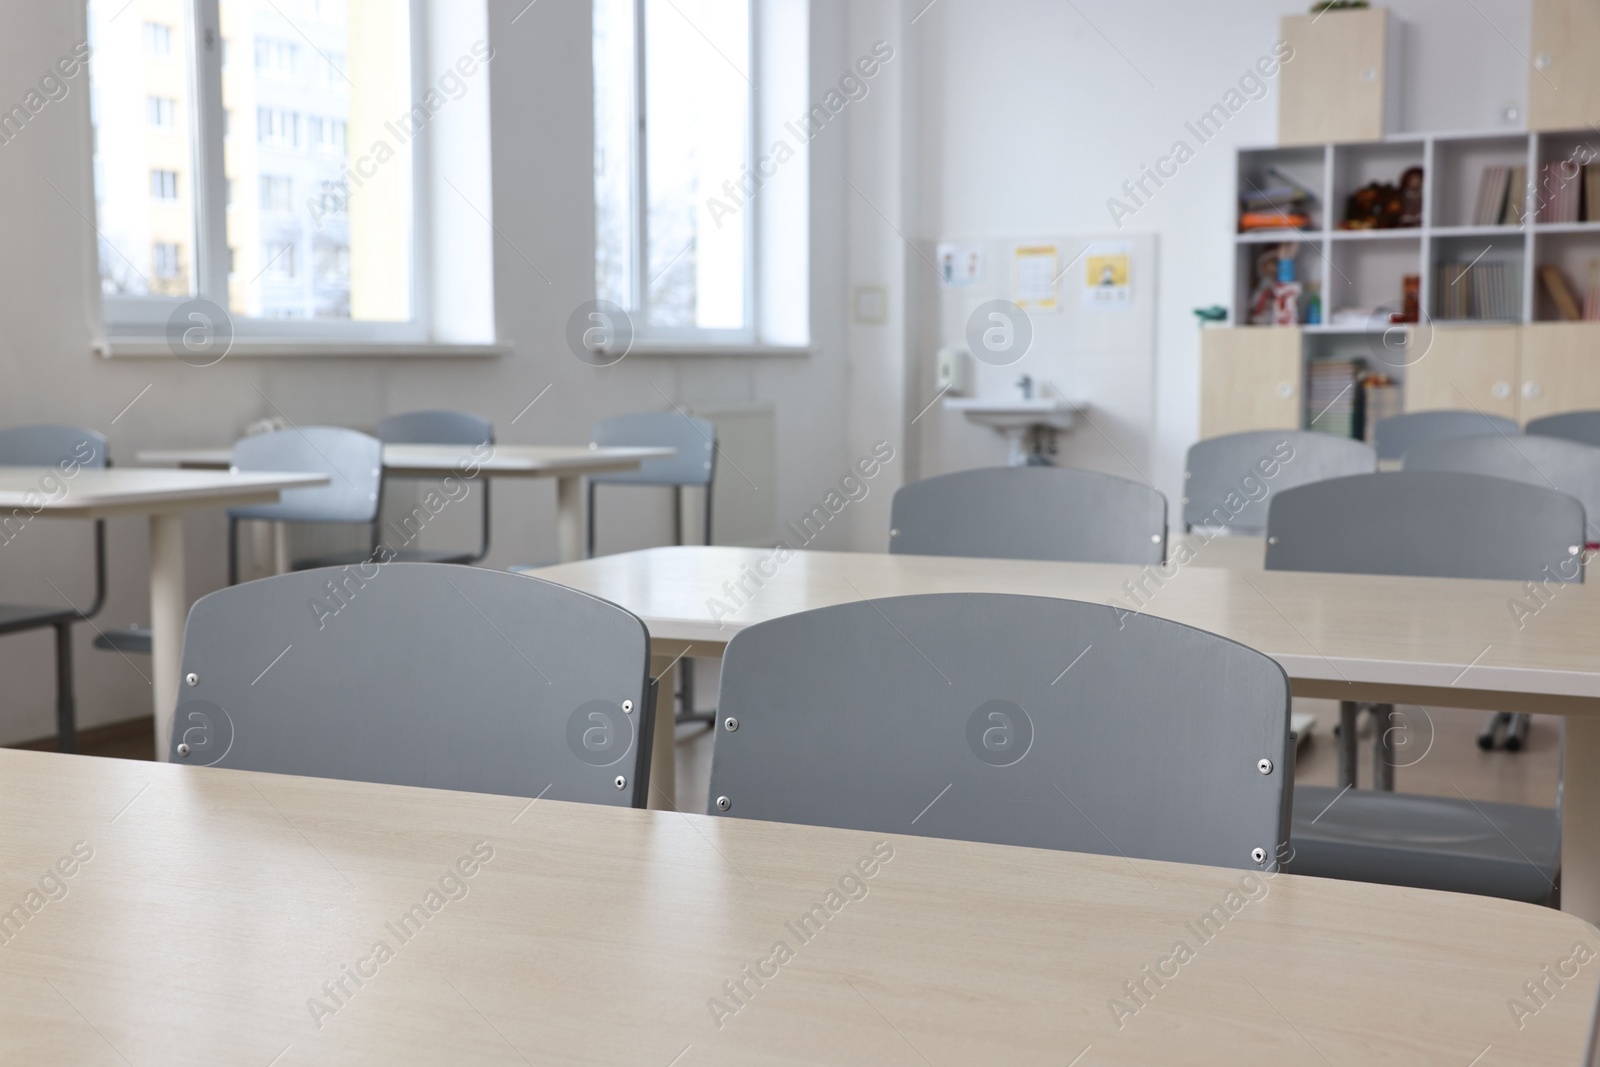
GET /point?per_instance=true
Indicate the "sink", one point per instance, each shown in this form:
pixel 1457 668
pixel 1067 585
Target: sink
pixel 1055 412
pixel 1016 418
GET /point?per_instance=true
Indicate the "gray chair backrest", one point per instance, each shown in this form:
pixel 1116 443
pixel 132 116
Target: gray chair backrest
pixel 50 445
pixel 1399 434
pixel 420 674
pixel 1552 462
pixel 1581 426
pixel 1228 481
pixel 435 427
pixel 352 460
pixel 1429 524
pixel 1056 513
pixel 694 438
pixel 1015 720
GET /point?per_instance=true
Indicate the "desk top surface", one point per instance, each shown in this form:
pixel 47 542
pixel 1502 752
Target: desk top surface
pixel 1475 641
pixel 120 490
pixel 505 460
pixel 228 917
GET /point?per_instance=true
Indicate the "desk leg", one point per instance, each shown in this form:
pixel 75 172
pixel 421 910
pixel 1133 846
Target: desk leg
pixel 663 751
pixel 1580 818
pixel 569 518
pixel 280 548
pixel 168 606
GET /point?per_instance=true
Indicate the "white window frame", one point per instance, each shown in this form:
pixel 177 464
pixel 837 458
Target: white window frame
pixel 639 196
pixel 144 318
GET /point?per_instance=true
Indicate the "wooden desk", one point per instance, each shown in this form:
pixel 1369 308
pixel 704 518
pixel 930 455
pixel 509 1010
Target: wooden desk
pixel 567 464
pixel 164 495
pixel 219 909
pixel 1343 636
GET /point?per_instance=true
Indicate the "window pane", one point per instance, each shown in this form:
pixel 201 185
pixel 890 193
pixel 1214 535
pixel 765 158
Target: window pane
pixel 319 159
pixel 697 110
pixel 613 151
pixel 143 155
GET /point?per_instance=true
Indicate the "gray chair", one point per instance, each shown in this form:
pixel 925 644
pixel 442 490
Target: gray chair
pixel 1399 434
pixel 695 464
pixel 1580 426
pixel 1553 462
pixel 1014 720
pixel 352 460
pixel 64 449
pixel 1431 524
pixel 1229 481
pixel 420 674
pixel 1048 513
pixel 432 427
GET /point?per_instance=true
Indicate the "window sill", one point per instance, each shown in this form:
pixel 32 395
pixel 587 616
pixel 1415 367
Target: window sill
pixel 656 350
pixel 145 348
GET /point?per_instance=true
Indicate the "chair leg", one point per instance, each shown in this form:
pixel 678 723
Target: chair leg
pixel 686 708
pixel 1497 721
pixel 1348 709
pixel 233 550
pixel 66 701
pixel 1517 731
pixel 1383 753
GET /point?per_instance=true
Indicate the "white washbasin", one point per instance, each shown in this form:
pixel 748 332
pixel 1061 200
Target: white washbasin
pixel 1058 413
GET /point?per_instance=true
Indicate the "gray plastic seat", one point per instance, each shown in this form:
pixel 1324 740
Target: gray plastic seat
pixel 1580 426
pixel 1430 524
pixel 1014 720
pixel 420 674
pixel 1550 462
pixel 432 427
pixel 65 449
pixel 694 464
pixel 1229 481
pixel 1048 513
pixel 352 460
pixel 1399 434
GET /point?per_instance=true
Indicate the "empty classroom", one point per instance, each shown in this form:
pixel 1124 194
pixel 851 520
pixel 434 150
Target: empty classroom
pixel 726 532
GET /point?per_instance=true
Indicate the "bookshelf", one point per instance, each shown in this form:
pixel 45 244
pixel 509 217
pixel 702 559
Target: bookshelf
pixel 1474 271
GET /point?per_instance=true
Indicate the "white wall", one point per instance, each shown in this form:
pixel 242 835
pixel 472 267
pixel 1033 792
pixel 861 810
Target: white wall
pixel 1034 112
pixel 543 207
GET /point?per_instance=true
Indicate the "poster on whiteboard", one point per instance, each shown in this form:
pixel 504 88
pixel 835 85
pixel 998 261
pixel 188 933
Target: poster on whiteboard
pixel 1108 276
pixel 1033 277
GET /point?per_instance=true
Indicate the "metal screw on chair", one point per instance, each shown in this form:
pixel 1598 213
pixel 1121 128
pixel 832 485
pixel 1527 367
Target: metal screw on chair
pixel 894 533
pixel 723 803
pixel 1155 539
pixel 627 707
pixel 183 751
pixel 1572 550
pixel 1259 855
pixel 192 678
pixel 620 781
pixel 1272 540
pixel 730 724
pixel 1264 766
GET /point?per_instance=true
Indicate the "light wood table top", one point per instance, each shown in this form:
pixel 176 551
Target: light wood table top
pixel 92 493
pixel 212 916
pixel 527 461
pixel 1424 640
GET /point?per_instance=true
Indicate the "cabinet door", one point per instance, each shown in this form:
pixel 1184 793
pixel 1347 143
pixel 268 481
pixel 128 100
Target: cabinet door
pixel 1464 368
pixel 1332 87
pixel 1564 80
pixel 1249 379
pixel 1560 368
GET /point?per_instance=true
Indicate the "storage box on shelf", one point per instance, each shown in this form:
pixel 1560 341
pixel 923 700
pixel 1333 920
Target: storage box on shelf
pixel 1503 217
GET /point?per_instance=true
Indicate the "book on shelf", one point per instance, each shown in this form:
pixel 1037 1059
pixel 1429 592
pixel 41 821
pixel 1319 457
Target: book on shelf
pixel 1333 396
pixel 1382 398
pixel 1491 195
pixel 1481 290
pixel 1560 190
pixel 1591 192
pixel 1555 283
pixel 1516 197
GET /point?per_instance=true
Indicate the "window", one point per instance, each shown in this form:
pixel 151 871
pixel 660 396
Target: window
pixel 164 260
pixel 277 193
pixel 164 184
pixel 158 40
pixel 243 221
pixel 677 118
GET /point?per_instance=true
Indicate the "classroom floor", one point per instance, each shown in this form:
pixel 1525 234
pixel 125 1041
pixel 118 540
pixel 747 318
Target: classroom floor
pixel 1452 761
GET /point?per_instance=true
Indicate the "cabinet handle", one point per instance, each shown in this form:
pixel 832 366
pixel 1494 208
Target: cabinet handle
pixel 1501 390
pixel 1369 75
pixel 1531 390
pixel 1285 390
pixel 1544 61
